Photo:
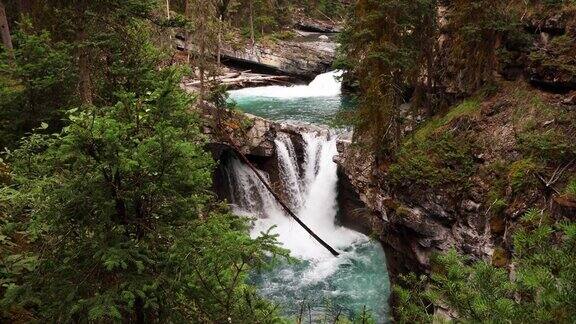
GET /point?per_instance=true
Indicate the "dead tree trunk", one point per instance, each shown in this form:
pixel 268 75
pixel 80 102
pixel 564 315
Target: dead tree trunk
pixel 187 33
pixel 219 51
pixel 252 22
pixel 25 6
pixel 5 31
pixel 83 57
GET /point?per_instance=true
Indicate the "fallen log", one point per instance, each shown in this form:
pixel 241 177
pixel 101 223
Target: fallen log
pixel 286 208
pixel 232 79
pixel 244 159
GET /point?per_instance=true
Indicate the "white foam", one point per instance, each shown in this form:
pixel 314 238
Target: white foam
pixel 324 85
pixel 318 209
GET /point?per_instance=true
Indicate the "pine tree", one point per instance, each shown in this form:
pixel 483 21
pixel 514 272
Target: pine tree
pixel 36 86
pixel 384 48
pixel 111 218
pixel 538 287
pixel 121 221
pixel 477 28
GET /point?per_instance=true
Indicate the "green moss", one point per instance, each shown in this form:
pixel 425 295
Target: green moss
pixel 433 157
pixel 466 108
pixel 547 145
pixel 434 163
pixel 497 203
pixel 402 211
pixel 496 173
pixel 530 110
pixel 520 174
pixel 499 257
pixel 571 188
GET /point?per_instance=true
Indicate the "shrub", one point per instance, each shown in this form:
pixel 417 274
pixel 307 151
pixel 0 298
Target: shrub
pixel 436 162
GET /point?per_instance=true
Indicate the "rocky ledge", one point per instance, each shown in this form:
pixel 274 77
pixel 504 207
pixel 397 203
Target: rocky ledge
pixel 305 56
pixel 254 137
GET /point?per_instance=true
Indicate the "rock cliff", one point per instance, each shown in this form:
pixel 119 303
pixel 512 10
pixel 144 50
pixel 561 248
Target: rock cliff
pixel 304 57
pixel 505 174
pixel 461 179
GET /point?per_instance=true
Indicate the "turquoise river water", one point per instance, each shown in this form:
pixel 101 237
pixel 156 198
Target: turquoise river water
pixel 318 286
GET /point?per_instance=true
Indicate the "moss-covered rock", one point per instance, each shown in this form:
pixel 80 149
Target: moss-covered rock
pixel 440 152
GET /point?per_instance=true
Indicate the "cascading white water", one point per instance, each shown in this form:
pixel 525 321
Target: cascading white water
pixel 313 149
pixel 289 171
pixel 355 279
pixel 324 85
pixel 249 195
pixel 314 195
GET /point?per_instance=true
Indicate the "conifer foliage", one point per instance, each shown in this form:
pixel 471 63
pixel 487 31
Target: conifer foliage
pixel 540 287
pixel 108 216
pixel 385 45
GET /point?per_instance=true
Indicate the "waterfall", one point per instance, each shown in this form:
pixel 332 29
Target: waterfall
pixel 248 194
pixel 324 85
pixel 313 150
pixel 355 280
pixel 313 195
pixel 289 171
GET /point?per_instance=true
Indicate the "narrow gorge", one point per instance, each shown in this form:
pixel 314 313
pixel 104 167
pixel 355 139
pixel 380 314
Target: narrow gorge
pixel 301 168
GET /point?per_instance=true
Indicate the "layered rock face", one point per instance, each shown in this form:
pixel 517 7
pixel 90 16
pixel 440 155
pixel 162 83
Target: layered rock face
pixel 542 51
pixel 551 63
pixel 515 143
pixel 411 227
pixel 414 221
pixel 304 57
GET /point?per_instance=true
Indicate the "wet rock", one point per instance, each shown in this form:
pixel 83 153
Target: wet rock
pixel 252 135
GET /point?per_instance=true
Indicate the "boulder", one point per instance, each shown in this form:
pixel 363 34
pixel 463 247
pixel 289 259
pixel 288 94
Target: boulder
pixel 308 24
